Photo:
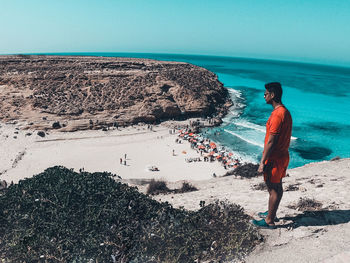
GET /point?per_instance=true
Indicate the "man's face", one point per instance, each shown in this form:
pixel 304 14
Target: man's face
pixel 268 96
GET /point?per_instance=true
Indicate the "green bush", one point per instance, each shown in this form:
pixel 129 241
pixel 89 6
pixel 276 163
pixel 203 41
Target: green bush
pixel 63 216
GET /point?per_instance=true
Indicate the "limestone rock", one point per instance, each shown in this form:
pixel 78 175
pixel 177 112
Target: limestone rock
pixel 116 90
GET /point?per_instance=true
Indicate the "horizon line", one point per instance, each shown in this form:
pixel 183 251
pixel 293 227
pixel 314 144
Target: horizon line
pixel 81 53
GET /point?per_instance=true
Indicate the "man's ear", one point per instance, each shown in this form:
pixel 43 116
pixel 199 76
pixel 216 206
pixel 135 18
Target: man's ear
pixel 272 94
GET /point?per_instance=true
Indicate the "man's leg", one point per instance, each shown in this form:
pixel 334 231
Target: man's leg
pixel 275 196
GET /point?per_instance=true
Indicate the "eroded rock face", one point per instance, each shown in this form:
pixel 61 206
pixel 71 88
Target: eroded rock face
pixel 120 91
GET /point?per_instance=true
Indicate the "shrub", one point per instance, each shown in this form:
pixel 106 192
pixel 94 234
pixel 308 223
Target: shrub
pixel 292 187
pixel 307 204
pixel 64 216
pixel 219 231
pixel 156 187
pixel 56 125
pixel 247 170
pixel 41 133
pixel 261 186
pixel 186 187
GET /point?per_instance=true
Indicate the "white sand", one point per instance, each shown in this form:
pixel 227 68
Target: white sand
pixel 101 151
pixel 308 239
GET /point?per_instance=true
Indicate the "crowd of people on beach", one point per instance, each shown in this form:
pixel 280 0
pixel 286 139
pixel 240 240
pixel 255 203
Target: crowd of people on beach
pixel 208 150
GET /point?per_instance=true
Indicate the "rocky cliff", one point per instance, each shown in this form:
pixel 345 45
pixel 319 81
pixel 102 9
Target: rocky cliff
pixel 72 93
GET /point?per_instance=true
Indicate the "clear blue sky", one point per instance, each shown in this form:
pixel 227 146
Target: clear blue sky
pixel 299 30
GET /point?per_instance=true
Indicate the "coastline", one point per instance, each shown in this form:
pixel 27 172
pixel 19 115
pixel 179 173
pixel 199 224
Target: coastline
pixel 327 182
pixel 132 151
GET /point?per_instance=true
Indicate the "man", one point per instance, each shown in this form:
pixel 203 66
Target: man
pixel 275 157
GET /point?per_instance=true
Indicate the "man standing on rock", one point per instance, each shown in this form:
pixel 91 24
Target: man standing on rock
pixel 275 157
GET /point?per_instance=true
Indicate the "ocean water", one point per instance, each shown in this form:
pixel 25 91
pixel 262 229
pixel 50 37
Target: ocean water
pixel 318 97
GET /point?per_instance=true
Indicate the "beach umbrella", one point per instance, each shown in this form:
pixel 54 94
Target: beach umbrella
pixel 191 134
pixel 230 154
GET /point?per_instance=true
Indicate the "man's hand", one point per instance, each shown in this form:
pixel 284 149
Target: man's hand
pixel 261 168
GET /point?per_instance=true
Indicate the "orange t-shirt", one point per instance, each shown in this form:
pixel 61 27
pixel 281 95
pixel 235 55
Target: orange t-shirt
pixel 279 123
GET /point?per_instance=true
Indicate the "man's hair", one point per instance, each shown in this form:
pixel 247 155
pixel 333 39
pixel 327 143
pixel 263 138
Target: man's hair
pixel 275 88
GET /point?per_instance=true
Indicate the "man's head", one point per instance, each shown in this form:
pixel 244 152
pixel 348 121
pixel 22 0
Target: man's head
pixel 273 92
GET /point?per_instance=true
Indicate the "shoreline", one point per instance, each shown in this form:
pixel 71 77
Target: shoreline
pixel 136 141
pixel 323 233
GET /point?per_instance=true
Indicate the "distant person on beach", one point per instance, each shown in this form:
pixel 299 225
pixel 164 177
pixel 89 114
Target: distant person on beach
pixel 275 157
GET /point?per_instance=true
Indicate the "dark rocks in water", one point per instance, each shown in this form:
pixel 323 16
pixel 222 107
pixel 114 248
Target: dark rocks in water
pixel 41 133
pixel 337 158
pixel 313 153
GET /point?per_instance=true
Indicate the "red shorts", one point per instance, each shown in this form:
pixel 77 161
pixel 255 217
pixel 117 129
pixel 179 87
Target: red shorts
pixel 275 169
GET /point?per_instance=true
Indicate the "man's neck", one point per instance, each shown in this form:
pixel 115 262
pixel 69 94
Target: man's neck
pixel 276 105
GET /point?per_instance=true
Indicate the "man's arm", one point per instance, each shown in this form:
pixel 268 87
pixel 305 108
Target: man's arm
pixel 271 142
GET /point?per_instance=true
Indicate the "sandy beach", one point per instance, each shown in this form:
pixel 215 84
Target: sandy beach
pixel 300 237
pixel 99 150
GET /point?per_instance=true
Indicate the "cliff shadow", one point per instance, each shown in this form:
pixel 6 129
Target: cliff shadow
pixel 318 218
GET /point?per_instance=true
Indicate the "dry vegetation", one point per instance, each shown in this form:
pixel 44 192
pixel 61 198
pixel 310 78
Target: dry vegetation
pixel 247 170
pixel 64 216
pixel 306 204
pixel 156 187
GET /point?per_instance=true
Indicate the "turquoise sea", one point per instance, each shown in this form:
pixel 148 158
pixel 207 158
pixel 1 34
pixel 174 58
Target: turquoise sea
pixel 318 97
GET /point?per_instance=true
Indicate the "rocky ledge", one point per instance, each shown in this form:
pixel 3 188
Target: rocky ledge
pixel 76 93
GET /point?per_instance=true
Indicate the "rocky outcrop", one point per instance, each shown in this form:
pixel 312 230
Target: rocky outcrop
pixel 91 92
